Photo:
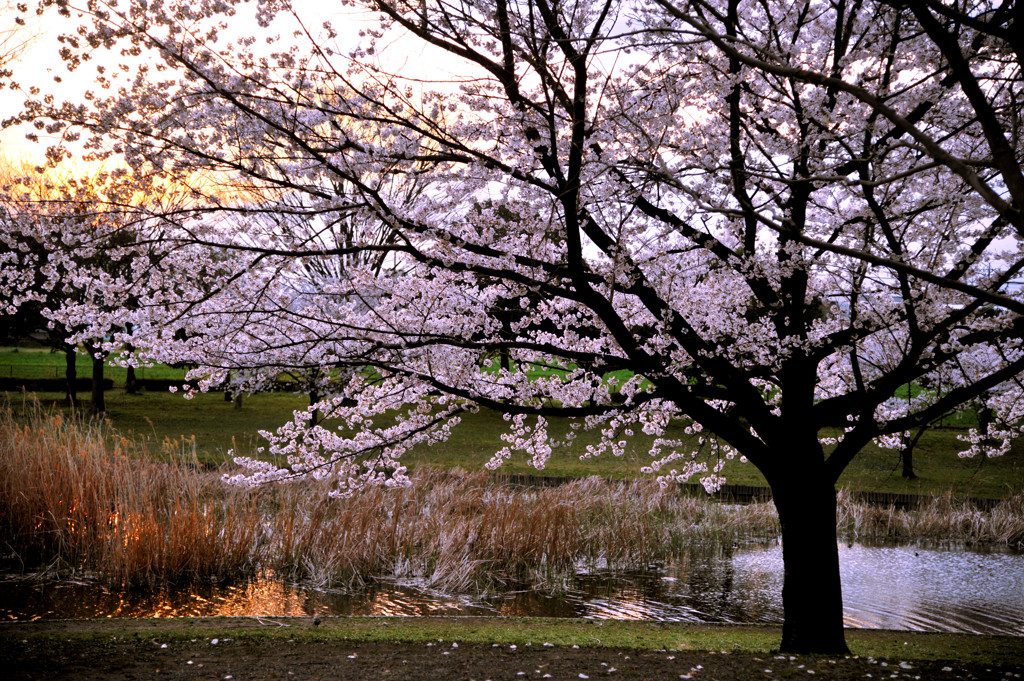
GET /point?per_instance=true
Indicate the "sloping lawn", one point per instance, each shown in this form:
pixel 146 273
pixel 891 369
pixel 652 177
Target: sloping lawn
pixel 168 423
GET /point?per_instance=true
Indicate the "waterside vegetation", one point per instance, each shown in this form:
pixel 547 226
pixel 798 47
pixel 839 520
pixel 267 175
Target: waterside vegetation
pixel 77 498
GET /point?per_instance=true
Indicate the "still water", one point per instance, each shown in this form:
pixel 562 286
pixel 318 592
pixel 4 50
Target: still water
pixel 909 588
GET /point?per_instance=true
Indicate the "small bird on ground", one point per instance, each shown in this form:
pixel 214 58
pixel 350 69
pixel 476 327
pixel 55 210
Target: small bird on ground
pixel 316 620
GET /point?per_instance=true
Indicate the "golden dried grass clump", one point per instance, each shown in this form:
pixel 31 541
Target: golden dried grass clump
pixel 78 497
pixel 75 496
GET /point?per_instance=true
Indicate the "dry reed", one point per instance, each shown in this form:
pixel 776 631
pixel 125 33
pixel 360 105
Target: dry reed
pixel 942 518
pixel 75 496
pixel 455 529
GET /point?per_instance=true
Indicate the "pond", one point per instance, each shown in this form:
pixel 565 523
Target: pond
pixel 888 587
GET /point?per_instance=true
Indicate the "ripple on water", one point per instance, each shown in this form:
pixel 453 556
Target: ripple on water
pixel 891 587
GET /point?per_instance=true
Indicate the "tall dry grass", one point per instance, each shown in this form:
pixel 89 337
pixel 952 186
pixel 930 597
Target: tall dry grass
pixel 460 530
pixel 943 518
pixel 75 497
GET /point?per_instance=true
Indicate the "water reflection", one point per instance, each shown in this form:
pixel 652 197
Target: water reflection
pixel 929 590
pixel 883 587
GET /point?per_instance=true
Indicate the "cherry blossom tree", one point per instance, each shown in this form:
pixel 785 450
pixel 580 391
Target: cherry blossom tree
pixel 56 227
pixel 740 203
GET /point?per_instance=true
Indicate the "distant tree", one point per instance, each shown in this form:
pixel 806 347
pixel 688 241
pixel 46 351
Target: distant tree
pixel 24 295
pixel 691 180
pixel 56 226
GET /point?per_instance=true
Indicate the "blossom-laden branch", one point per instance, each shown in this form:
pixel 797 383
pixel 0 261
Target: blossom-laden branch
pixel 766 220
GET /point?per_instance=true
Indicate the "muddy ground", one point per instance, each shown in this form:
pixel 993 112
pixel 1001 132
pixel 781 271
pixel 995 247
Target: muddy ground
pixel 25 654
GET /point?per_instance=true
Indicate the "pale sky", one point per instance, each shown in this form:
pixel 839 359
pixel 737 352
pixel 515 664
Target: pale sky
pixel 41 63
pixel 36 65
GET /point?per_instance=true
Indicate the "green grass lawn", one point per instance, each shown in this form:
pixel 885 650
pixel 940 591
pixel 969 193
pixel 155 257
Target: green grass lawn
pixel 591 635
pixel 936 462
pixel 37 362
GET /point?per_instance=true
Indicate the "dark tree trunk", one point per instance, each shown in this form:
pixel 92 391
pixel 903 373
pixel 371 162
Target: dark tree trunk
pixel 71 374
pixel 131 383
pixel 984 419
pixel 985 415
pixel 314 417
pixel 99 405
pixel 907 456
pixel 812 596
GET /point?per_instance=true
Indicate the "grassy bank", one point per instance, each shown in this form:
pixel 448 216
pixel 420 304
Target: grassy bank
pixel 168 427
pixel 78 498
pixel 521 632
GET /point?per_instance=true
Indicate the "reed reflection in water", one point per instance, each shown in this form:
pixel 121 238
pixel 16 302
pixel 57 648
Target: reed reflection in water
pixel 883 586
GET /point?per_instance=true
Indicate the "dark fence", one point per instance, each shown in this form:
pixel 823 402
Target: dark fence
pixel 49 378
pixel 48 385
pixel 745 494
pixel 51 370
pixel 84 383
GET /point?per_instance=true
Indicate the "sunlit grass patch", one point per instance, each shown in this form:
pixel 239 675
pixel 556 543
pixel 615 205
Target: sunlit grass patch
pixel 592 636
